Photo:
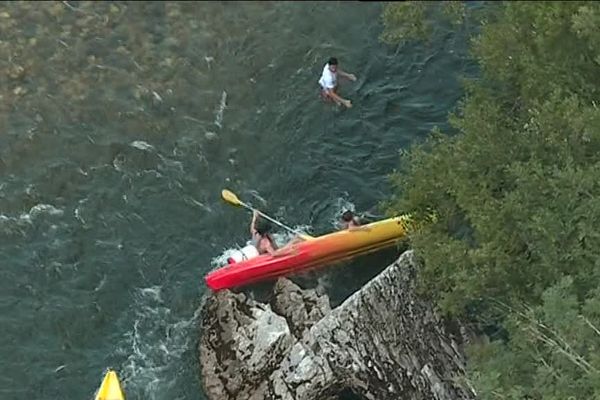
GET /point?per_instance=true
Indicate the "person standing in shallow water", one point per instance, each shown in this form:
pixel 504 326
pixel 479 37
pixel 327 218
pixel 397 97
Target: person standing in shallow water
pixel 328 82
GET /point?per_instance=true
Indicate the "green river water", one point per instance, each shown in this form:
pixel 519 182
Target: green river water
pixel 120 125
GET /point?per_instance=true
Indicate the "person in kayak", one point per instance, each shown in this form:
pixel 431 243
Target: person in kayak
pixel 349 220
pixel 263 241
pixel 261 236
pixel 328 82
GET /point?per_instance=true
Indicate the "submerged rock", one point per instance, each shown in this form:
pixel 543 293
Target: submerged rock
pixel 384 342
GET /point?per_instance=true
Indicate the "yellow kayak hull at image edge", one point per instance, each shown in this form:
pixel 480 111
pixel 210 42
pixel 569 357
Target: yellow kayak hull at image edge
pixel 110 389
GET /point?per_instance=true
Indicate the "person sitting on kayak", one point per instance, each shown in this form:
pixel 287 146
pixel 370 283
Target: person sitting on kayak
pixel 261 237
pixel 328 82
pixel 263 241
pixel 349 220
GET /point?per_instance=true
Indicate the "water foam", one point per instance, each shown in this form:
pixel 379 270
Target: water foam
pixel 34 212
pixel 140 144
pixel 44 209
pixel 20 224
pixel 341 204
pixel 155 345
pixel 221 110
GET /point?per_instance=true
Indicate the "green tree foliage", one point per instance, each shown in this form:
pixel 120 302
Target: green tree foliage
pixel 516 193
pixel 410 19
pixel 517 197
pixel 552 353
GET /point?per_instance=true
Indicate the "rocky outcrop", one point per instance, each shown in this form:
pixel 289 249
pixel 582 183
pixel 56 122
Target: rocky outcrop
pixel 384 342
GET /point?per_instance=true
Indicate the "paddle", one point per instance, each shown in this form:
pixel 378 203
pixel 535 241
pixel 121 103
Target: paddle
pixel 231 198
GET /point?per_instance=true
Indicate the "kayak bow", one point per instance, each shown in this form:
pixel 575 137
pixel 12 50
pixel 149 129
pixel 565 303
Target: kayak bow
pixel 110 389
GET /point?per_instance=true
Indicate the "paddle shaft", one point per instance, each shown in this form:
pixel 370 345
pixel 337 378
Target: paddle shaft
pixel 265 216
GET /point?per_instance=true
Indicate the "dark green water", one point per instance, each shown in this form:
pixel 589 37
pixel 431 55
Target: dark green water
pixel 119 133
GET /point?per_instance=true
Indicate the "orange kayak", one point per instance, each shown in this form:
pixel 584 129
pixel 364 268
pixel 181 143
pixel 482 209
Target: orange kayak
pixel 316 252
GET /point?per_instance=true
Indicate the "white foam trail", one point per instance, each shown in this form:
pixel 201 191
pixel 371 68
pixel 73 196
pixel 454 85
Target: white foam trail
pixel 40 209
pixel 101 284
pixel 222 106
pixel 78 209
pixel 157 97
pixel 78 216
pixel 140 144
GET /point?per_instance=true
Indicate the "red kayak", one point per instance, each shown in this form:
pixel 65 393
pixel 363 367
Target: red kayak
pixel 316 252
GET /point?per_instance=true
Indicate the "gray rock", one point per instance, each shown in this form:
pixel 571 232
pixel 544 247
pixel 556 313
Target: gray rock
pixel 384 342
pixel 251 341
pixel 301 308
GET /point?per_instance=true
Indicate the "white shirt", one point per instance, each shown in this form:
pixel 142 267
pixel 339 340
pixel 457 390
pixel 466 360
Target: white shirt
pixel 328 79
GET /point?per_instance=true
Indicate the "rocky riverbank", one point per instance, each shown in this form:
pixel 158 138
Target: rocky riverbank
pixel 383 342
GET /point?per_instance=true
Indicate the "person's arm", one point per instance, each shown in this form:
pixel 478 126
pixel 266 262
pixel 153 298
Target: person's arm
pixel 331 93
pixel 358 228
pixel 253 223
pixel 289 248
pixel 355 226
pixel 346 75
pixel 284 251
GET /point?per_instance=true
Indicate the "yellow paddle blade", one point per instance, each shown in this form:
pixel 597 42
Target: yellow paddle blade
pixel 230 197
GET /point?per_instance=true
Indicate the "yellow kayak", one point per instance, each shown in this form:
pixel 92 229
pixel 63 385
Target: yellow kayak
pixel 110 389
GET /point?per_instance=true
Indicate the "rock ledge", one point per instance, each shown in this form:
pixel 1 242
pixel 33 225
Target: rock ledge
pixel 383 342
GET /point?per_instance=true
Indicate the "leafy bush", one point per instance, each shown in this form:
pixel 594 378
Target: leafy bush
pixel 516 195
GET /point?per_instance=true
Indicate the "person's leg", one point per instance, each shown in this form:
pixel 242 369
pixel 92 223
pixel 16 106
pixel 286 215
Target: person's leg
pixel 332 98
pixel 323 94
pixel 292 242
pixel 296 240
